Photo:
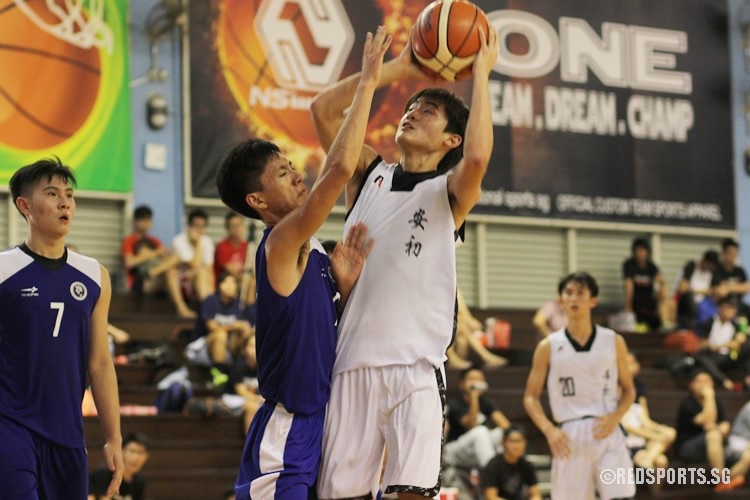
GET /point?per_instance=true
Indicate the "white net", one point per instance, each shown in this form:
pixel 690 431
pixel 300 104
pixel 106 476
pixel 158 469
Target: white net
pixel 77 23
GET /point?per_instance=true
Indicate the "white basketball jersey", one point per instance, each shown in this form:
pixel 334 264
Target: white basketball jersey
pixel 403 306
pixel 582 381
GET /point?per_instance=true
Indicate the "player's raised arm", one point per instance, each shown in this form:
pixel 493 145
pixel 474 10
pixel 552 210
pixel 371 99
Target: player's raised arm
pixel 330 107
pixel 465 185
pixel 293 230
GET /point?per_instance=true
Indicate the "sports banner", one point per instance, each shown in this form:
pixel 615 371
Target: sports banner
pixel 616 110
pixel 64 89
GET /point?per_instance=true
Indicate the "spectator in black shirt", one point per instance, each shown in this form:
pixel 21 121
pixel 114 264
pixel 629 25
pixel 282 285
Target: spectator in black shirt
pixel 475 425
pixel 702 425
pixel 645 289
pixel 134 457
pixel 509 475
pixel 730 279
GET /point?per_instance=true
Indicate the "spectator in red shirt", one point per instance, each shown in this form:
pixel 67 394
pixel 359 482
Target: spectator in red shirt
pixel 230 255
pixel 149 266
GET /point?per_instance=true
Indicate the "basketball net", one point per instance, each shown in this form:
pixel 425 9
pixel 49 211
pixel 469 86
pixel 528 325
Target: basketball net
pixel 84 28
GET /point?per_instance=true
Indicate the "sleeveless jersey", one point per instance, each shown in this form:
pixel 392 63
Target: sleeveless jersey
pixel 296 335
pixel 402 308
pixel 582 382
pixel 45 309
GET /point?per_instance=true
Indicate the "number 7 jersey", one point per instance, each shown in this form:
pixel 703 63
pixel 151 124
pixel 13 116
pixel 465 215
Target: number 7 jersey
pixel 45 310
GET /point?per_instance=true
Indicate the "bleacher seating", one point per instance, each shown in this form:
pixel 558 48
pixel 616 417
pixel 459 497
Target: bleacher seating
pixel 191 457
pixel 197 458
pixel 664 392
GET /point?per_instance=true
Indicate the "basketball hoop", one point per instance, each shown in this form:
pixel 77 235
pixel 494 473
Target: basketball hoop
pixel 82 27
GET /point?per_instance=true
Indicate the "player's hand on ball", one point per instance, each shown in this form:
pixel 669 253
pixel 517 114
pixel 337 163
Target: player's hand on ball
pixel 487 55
pixel 408 65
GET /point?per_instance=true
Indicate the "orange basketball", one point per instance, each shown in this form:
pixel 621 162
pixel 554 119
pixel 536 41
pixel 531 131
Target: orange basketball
pixel 446 40
pixel 49 86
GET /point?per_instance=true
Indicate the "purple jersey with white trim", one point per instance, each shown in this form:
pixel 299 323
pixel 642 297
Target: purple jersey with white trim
pixel 45 310
pixel 296 335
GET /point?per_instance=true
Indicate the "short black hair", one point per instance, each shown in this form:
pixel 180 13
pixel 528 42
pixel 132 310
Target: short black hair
pixel 711 256
pixel 240 171
pixel 197 213
pixel 640 242
pixel 728 300
pixel 729 242
pixel 143 212
pixel 457 113
pixel 515 429
pixel 25 177
pixel 582 278
pixel 229 216
pixel 136 437
pixel 222 276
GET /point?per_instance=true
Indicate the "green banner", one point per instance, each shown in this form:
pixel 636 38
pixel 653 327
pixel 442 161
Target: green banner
pixel 64 91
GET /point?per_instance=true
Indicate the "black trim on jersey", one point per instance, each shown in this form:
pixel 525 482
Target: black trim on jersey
pixel 403 181
pixel 406 181
pixel 46 262
pixel 578 347
pixel 367 173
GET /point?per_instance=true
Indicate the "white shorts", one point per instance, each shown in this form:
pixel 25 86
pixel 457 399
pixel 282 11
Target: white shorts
pixel 577 477
pixel 398 408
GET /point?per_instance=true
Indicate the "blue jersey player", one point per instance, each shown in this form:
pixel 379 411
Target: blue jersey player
pixel 53 335
pixel 296 303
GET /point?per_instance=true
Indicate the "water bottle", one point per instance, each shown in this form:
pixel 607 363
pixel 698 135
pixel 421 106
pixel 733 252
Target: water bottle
pixel 489 331
pixel 474 477
pixel 742 324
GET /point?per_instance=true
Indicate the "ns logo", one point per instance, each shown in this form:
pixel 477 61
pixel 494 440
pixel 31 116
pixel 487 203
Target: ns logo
pixel 306 42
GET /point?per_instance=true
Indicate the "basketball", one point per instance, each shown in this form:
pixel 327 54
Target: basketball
pixel 445 40
pixel 40 109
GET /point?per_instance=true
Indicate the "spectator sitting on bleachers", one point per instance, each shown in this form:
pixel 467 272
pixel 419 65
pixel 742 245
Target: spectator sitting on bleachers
pixel 134 457
pixel 645 289
pixel 231 252
pixel 694 286
pixel 702 424
pixel 466 342
pixel 149 267
pixel 738 450
pixel 730 278
pixel 723 344
pixel 242 389
pixel 509 474
pixel 475 425
pixel 648 440
pixel 195 252
pixel 549 318
pixel 223 324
